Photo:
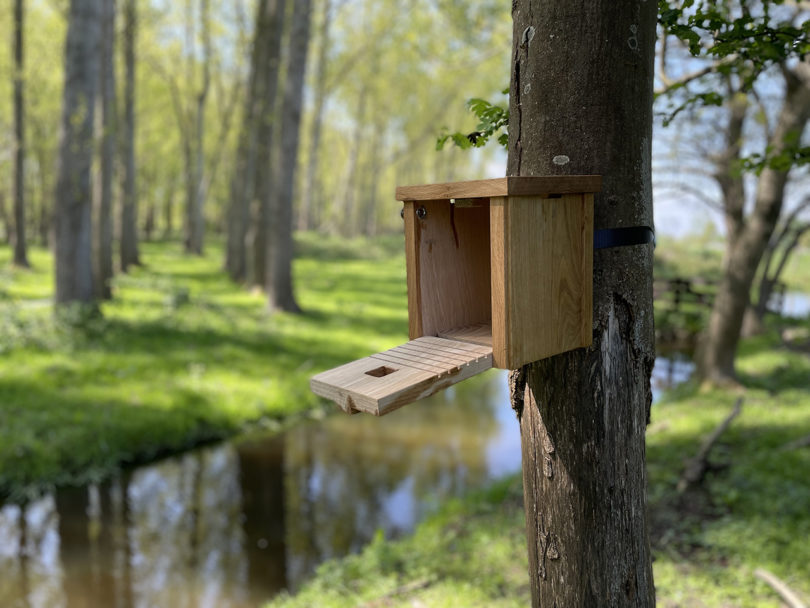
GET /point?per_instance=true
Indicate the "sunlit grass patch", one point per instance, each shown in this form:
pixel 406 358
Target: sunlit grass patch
pixel 181 355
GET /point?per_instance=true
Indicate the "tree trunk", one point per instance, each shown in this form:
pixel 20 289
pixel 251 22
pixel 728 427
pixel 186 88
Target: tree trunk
pixel 786 241
pixel 73 255
pixel 280 250
pixel 259 176
pixel 311 191
pixel 20 254
pixel 348 220
pixel 195 217
pixel 243 177
pixel 168 205
pixel 103 268
pixel 744 252
pixel 581 103
pixel 129 211
pixel 5 219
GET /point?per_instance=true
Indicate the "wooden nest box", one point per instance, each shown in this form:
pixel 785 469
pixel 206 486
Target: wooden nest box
pixel 500 274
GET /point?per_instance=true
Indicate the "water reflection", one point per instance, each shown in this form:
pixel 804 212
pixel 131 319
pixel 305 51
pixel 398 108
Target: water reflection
pixel 669 371
pixel 233 524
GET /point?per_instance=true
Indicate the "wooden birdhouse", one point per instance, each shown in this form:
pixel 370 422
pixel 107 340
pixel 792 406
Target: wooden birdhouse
pixel 500 274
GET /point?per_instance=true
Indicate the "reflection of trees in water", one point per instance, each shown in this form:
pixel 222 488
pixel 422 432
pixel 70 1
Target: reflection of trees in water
pixel 30 571
pixel 261 465
pixel 185 532
pixel 354 475
pixel 168 535
pixel 229 526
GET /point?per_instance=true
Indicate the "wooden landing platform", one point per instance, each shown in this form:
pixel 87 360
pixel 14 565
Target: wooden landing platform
pixel 381 383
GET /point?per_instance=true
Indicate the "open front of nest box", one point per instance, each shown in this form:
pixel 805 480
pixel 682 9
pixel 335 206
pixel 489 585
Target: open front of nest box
pixel 500 274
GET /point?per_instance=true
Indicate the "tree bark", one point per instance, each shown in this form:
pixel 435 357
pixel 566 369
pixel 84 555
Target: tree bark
pixel 311 192
pixel 751 236
pixel 280 294
pixel 259 173
pixel 581 103
pixel 243 177
pixel 104 196
pixel 785 242
pixel 73 255
pixel 20 253
pixel 129 211
pixel 195 191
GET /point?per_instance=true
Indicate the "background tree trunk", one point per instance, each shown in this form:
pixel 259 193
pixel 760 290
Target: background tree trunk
pixel 751 236
pixel 242 181
pixel 311 191
pixel 129 211
pixel 195 217
pixel 73 256
pixel 20 254
pixel 581 103
pixel 259 170
pixel 784 243
pixel 280 250
pixel 103 268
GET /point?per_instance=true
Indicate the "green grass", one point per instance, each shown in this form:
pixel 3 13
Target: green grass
pixel 753 512
pixel 179 357
pixel 471 554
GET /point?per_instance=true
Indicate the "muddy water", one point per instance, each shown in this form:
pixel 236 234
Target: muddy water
pixel 233 524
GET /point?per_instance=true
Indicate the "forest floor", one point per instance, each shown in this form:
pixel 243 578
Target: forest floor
pixel 180 356
pixel 751 511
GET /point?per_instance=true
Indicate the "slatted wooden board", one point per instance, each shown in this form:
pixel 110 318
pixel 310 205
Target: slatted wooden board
pixel 383 382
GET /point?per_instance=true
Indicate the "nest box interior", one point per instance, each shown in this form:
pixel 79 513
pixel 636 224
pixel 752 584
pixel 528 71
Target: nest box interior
pixel 500 274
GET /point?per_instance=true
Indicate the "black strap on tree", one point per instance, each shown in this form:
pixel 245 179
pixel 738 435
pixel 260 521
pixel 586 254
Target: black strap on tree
pixel 623 237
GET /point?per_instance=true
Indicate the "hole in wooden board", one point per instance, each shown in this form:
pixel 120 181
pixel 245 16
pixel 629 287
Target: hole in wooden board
pixel 379 372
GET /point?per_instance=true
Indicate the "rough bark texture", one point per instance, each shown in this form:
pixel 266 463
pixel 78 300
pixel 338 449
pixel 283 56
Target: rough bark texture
pixel 581 103
pixel 280 248
pixel 311 192
pixel 103 246
pixel 749 236
pixel 73 255
pixel 20 253
pixel 129 210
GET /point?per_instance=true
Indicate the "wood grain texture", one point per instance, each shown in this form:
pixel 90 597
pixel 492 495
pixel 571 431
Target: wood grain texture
pixel 539 186
pixel 383 382
pixel 542 274
pixel 449 276
pixel 412 235
pixel 480 333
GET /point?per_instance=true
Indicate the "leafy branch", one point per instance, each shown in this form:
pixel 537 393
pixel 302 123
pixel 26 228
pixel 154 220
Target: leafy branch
pixel 493 120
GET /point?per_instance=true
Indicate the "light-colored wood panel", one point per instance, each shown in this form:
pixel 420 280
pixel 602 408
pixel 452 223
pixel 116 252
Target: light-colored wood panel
pixel 480 333
pixel 453 267
pixel 435 357
pixel 499 241
pixel 386 381
pixel 399 359
pixel 542 275
pixel 503 186
pixel 586 302
pixel 466 347
pixel 412 270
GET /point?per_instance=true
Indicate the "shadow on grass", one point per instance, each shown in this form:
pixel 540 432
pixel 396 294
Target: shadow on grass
pixel 54 437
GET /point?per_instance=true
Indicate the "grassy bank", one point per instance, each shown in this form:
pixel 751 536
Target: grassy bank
pixel 753 511
pixel 180 356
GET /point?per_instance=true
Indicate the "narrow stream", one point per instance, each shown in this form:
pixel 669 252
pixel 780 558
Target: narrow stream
pixel 233 524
